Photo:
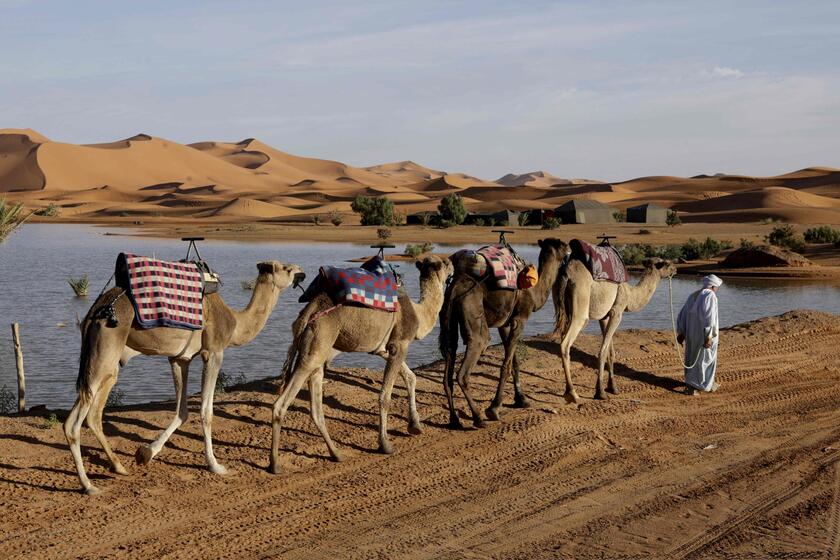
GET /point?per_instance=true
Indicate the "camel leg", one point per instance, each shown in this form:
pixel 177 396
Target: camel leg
pixel 212 365
pixel 72 431
pixel 316 410
pixel 94 421
pixel 281 405
pixel 449 388
pixel 414 425
pixel 520 399
pixel 477 339
pixel 611 386
pixel 576 325
pixel 510 338
pixel 180 374
pixel 393 365
pixel 608 326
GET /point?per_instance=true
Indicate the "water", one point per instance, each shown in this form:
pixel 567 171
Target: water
pixel 35 262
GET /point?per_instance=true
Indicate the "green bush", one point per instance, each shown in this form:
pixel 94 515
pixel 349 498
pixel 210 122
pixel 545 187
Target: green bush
pixel 415 251
pixel 8 401
pixel 786 236
pixel 115 398
pixel 551 223
pixel 523 218
pixel 79 285
pixel 225 381
pixel 746 244
pixel 11 218
pixel 49 211
pixel 644 232
pixel 336 218
pixel 452 209
pixel 383 233
pixel 673 219
pixel 693 249
pixel 374 211
pixel 822 234
pixel 316 219
pixel 618 216
pixel 633 254
pixel 479 222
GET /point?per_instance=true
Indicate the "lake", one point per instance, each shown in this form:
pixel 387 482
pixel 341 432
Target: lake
pixel 36 261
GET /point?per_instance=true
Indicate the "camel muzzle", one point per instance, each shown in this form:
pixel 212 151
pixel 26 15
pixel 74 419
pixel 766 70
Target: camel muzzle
pixel 298 279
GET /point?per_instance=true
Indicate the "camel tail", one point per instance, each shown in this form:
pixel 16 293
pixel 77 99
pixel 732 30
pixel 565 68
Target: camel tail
pixel 558 295
pixel 448 336
pixel 90 328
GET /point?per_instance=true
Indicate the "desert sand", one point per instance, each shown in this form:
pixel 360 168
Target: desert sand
pixel 752 471
pixel 157 180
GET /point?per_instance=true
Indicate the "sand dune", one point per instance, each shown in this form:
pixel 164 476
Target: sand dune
pixel 152 177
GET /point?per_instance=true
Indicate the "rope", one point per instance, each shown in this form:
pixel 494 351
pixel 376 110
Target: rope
pixel 674 327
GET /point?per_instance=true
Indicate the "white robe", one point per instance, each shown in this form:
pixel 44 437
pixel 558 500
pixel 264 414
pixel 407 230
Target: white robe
pixel 698 322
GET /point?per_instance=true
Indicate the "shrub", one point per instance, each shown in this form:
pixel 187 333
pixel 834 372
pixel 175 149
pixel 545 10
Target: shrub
pixel 446 223
pixel 225 381
pixel 765 221
pixel 693 249
pixel 673 219
pixel 551 223
pixel 79 285
pixel 426 218
pixel 786 236
pixel 383 233
pixel 316 219
pixel 49 211
pixel 669 252
pixel 479 222
pixel 746 244
pixel 452 209
pixel 51 421
pixel 632 254
pixel 115 398
pixel 399 218
pixel 523 218
pixel 618 216
pixel 249 284
pixel 822 234
pixel 644 232
pixel 8 401
pixel 336 218
pixel 11 218
pixel 415 251
pixel 374 211
pixel 521 352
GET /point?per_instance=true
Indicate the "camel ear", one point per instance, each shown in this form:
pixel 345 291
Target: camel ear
pixel 540 243
pixel 267 267
pixel 660 264
pixel 647 263
pixel 419 265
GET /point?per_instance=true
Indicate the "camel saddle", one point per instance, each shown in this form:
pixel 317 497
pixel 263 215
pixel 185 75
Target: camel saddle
pixel 164 293
pixel 373 285
pixel 603 261
pixel 499 261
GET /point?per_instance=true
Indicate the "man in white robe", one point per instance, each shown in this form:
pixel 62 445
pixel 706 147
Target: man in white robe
pixel 697 326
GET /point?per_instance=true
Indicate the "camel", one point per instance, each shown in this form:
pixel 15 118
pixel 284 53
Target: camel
pixel 323 330
pixel 579 298
pixel 111 337
pixel 473 307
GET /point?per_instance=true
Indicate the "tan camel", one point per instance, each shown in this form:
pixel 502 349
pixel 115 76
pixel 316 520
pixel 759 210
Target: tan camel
pixel 320 335
pixel 579 298
pixel 472 307
pixel 111 337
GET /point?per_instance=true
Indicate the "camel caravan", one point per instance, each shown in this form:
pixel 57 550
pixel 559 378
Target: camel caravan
pixel 174 309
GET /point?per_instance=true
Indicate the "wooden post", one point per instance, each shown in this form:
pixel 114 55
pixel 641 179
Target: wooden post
pixel 20 374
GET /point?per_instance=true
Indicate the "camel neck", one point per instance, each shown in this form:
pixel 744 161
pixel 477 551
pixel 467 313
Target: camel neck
pixel 547 275
pixel 428 307
pixel 251 320
pixel 639 295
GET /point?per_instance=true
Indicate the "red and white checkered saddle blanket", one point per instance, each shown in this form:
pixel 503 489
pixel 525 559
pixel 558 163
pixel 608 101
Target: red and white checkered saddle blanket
pixel 503 263
pixel 164 294
pixel 603 262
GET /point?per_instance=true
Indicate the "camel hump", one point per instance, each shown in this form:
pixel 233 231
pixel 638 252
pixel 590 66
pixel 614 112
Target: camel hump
pixel 407 323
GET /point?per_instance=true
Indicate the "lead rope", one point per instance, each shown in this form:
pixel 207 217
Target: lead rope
pixel 674 327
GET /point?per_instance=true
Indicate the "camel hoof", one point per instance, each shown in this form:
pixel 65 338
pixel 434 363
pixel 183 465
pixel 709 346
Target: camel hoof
pixel 119 469
pixel 612 390
pixel 386 448
pixel 93 491
pixel 274 468
pixel 522 402
pixel 218 469
pixel 571 398
pixel 492 413
pixel 415 428
pixel 336 457
pixel 143 455
pixel 455 424
pixel 601 396
pixel 479 423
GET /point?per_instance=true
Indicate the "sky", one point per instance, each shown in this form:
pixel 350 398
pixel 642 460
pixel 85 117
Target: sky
pixel 602 90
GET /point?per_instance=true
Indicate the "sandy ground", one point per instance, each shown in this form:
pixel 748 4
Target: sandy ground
pixel 752 471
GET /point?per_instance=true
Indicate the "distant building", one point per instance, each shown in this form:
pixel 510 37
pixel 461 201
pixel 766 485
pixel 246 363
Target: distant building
pixel 647 214
pixel 584 211
pixel 501 218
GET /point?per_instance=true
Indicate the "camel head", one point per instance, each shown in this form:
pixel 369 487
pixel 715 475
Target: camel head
pixel 435 267
pixel 552 247
pixel 663 267
pixel 280 275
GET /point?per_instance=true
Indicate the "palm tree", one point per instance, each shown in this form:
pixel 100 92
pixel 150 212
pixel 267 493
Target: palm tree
pixel 11 218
